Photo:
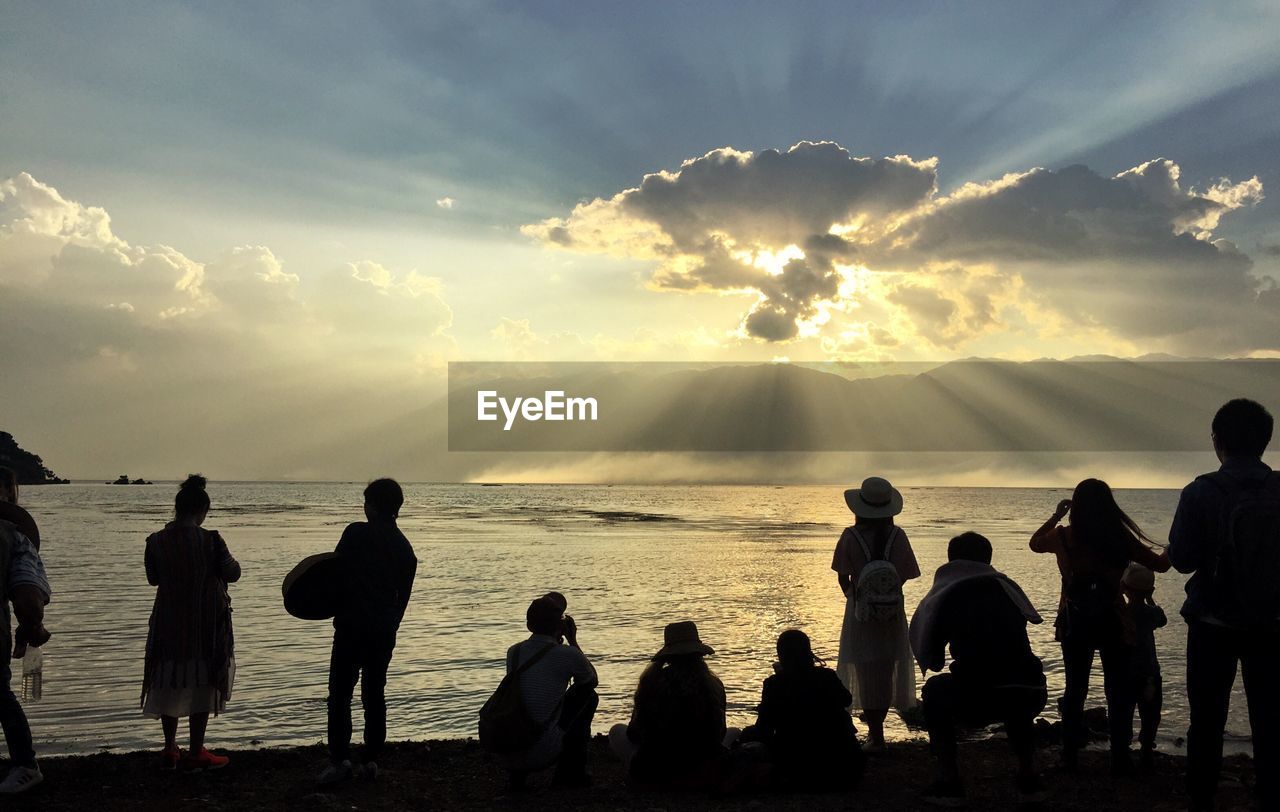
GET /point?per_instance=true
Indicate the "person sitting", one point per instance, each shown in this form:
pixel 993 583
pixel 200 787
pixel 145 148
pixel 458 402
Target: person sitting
pixel 802 723
pixel 982 614
pixel 557 687
pixel 677 735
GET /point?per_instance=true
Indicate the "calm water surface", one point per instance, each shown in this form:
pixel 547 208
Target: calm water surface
pixel 744 562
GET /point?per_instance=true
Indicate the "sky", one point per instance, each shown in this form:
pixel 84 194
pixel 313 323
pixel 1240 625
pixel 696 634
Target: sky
pixel 292 217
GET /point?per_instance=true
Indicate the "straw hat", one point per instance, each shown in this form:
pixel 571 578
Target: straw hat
pixel 876 499
pixel 681 638
pixel 1139 578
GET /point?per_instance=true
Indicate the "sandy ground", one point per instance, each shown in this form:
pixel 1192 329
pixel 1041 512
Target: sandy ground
pixel 458 775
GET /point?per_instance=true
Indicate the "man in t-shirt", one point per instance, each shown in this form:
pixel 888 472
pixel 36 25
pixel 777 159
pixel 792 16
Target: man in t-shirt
pixel 994 677
pixel 1217 641
pixel 378 570
pixel 558 691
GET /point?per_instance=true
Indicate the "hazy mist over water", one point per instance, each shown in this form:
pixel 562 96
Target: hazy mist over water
pixel 745 562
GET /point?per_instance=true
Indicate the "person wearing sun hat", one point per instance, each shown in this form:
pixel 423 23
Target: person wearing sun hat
pixel 676 737
pixel 873 558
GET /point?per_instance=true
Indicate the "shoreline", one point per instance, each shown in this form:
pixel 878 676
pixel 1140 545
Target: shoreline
pixel 457 774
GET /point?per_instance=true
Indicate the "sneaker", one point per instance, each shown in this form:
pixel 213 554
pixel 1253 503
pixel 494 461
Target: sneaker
pixel 949 794
pixel 1031 789
pixel 169 758
pixel 202 761
pixel 334 774
pixel 21 779
pixel 369 771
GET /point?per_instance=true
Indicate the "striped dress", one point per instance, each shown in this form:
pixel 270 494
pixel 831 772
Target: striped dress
pixel 190 659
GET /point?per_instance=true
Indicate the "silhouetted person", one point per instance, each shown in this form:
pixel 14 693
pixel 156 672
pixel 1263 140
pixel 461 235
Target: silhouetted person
pixel 873 559
pixel 1227 534
pixel 557 687
pixel 677 734
pixel 378 572
pixel 12 512
pixel 1146 691
pixel 190 659
pixel 994 677
pixel 803 722
pixel 22 583
pixel 1093 552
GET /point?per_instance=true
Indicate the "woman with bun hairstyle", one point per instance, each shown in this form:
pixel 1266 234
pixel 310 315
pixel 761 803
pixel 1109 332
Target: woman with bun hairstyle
pixel 1093 550
pixel 873 559
pixel 190 660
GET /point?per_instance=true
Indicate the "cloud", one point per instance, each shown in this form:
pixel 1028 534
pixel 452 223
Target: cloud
pixel 733 221
pixel 445 203
pixel 1133 255
pixel 99 328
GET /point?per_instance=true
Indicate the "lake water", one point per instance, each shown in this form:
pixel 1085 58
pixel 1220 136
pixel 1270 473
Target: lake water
pixel 744 562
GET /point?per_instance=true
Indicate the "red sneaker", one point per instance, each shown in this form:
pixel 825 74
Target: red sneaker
pixel 204 760
pixel 169 758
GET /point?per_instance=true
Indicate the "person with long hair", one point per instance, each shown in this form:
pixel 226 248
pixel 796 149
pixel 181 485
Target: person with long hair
pixel 676 737
pixel 872 560
pixel 803 722
pixel 190 657
pixel 1092 551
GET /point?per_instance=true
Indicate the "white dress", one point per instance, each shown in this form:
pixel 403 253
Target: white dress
pixel 875 661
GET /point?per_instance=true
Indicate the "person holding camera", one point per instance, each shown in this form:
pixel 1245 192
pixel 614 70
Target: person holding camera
pixel 558 688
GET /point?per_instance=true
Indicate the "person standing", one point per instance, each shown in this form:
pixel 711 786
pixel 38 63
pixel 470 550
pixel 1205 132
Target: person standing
pixel 1092 553
pixel 22 582
pixel 1226 534
pixel 378 571
pixel 190 658
pixel 873 559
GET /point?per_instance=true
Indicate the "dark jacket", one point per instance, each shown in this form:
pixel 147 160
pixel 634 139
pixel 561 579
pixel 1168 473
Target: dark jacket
pixel 379 567
pixel 1197 527
pixel 803 720
pixel 988 636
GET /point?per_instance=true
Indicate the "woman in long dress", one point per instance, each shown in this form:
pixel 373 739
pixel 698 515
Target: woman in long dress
pixel 190 659
pixel 875 654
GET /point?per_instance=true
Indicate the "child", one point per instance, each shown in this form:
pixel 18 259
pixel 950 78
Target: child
pixel 1146 688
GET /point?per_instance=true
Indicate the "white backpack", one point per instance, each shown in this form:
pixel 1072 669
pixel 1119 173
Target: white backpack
pixel 878 592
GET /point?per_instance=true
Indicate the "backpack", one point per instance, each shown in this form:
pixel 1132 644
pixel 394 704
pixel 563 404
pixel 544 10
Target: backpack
pixel 1091 600
pixel 1246 566
pixel 505 723
pixel 878 592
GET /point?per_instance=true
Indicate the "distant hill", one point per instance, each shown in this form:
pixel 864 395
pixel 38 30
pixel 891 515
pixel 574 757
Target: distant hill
pixel 29 467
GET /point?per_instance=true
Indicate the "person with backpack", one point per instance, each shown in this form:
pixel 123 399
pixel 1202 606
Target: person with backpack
pixel 541 713
pixel 1226 534
pixel 1093 551
pixel 24 584
pixel 873 559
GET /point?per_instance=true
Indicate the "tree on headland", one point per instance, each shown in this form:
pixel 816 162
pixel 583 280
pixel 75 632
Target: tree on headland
pixel 29 467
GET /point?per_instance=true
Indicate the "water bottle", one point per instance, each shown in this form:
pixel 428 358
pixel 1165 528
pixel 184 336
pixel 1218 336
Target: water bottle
pixel 33 675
